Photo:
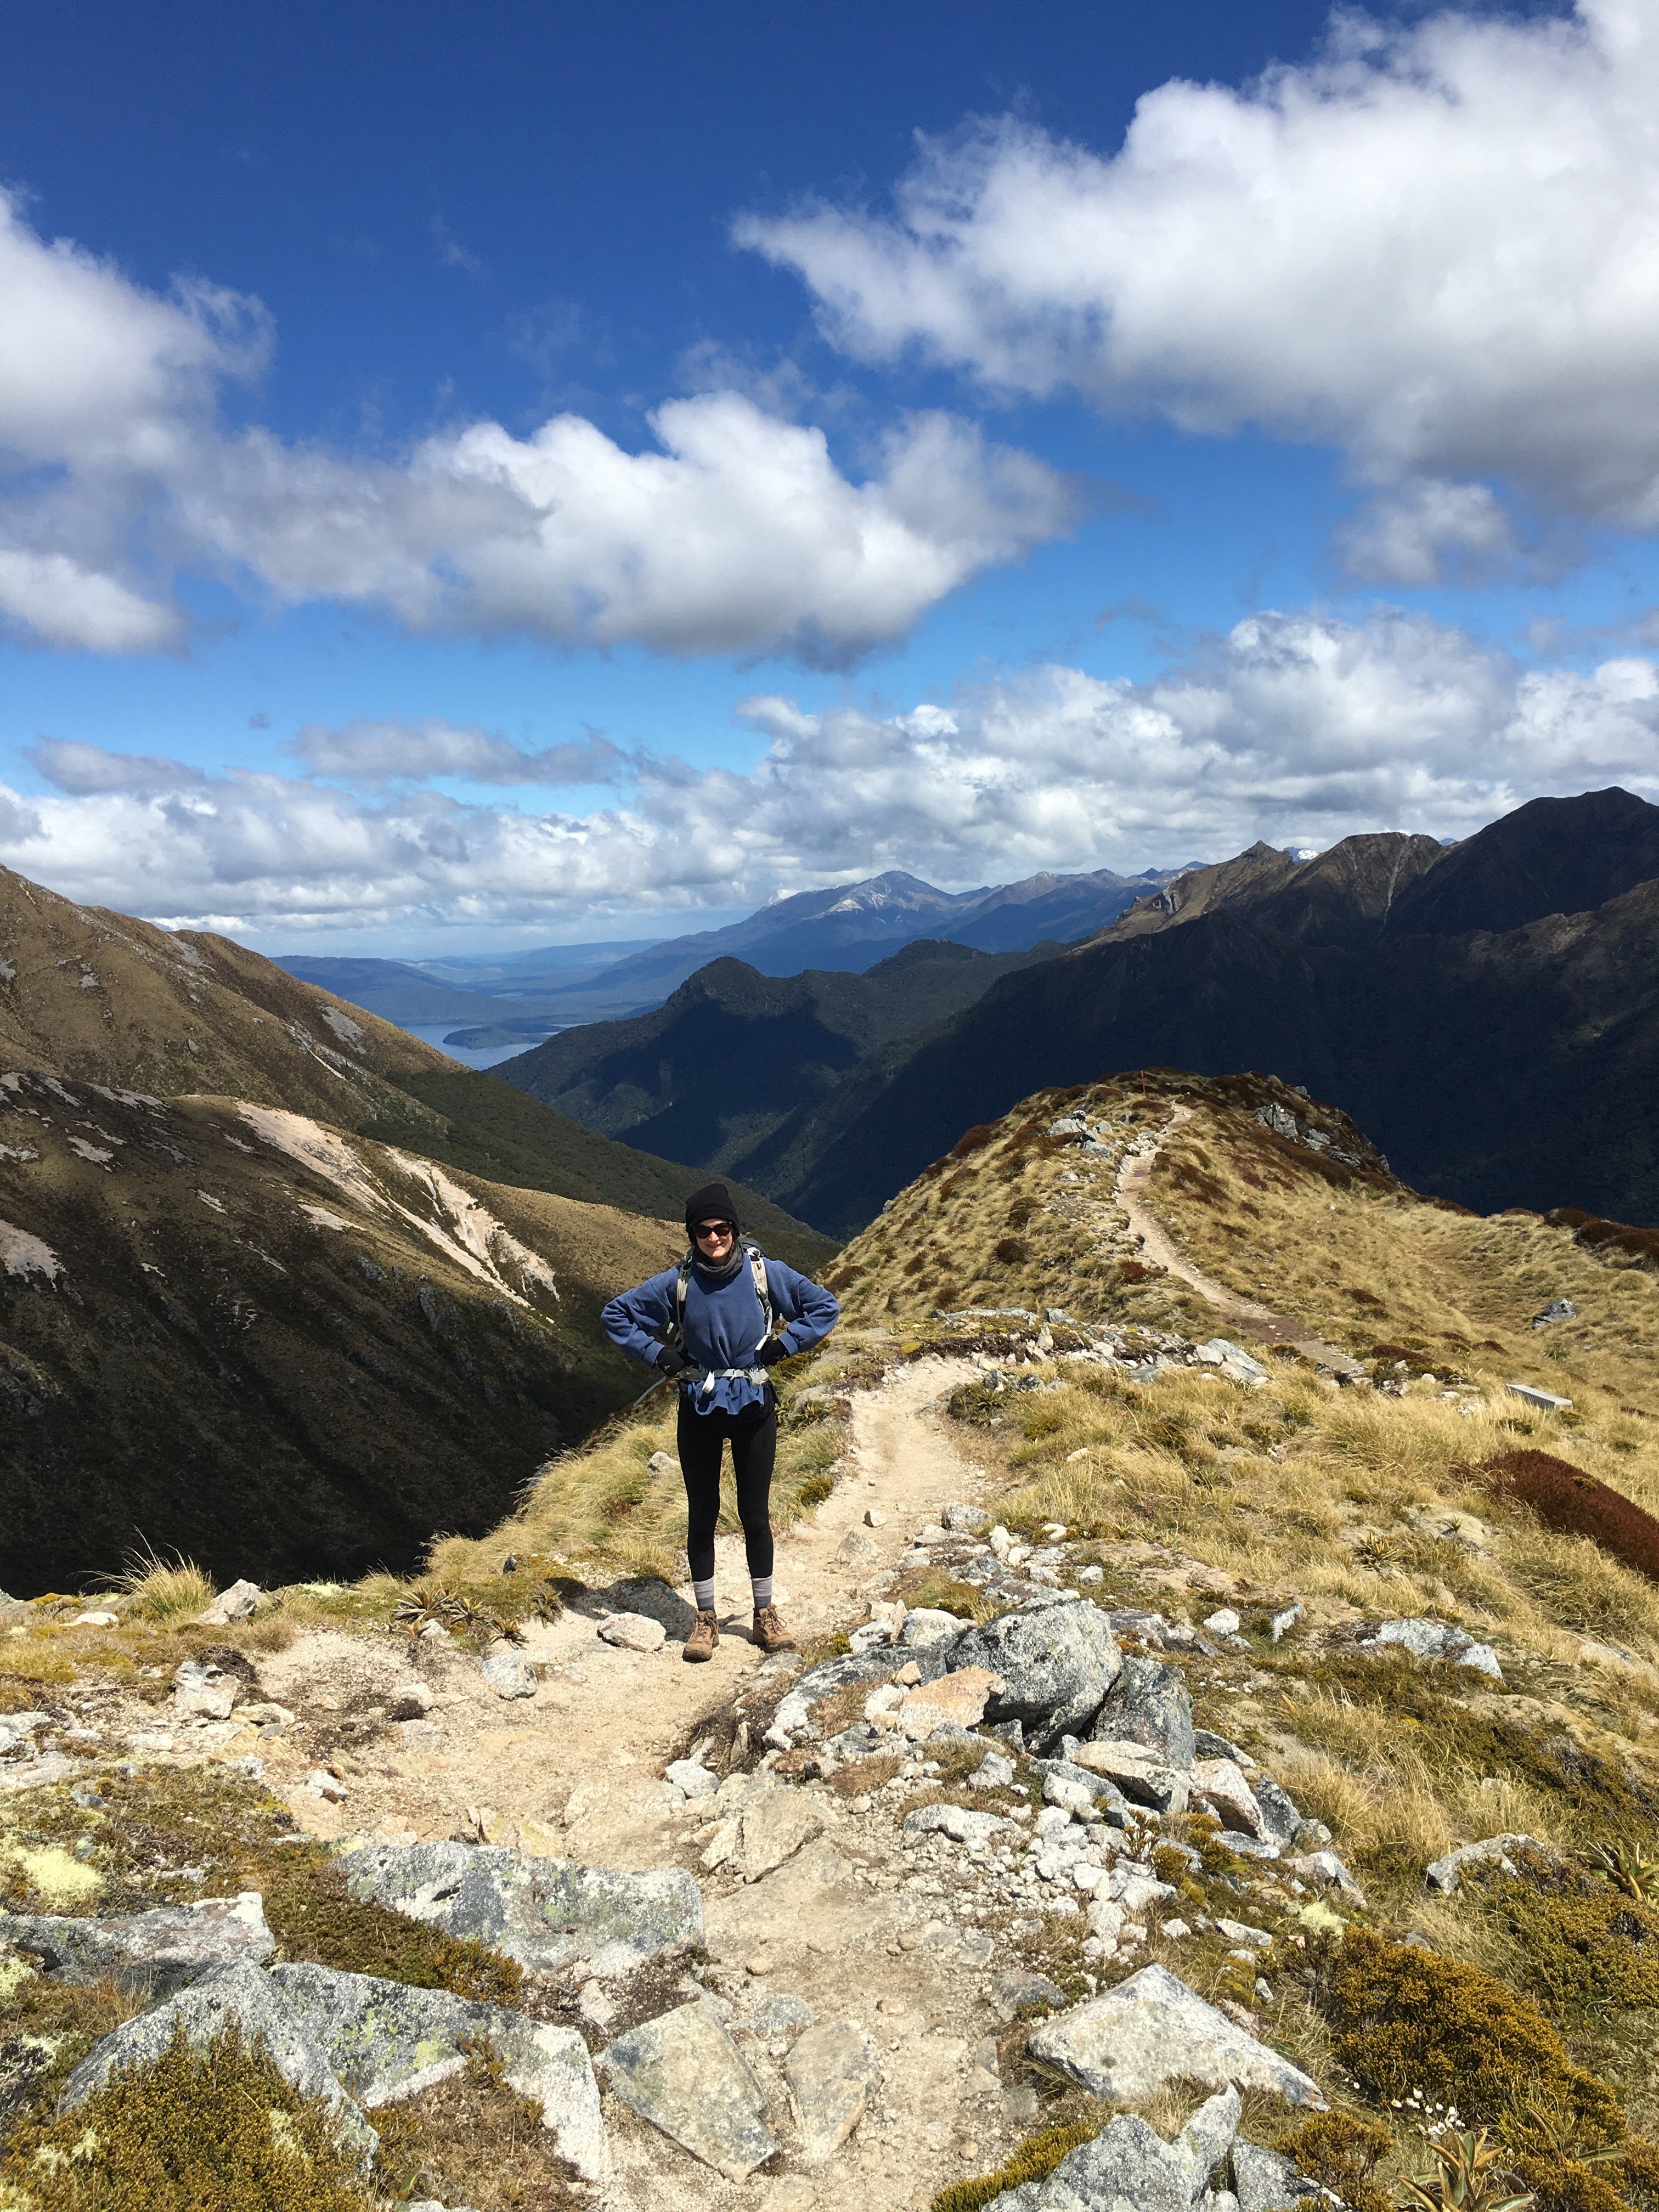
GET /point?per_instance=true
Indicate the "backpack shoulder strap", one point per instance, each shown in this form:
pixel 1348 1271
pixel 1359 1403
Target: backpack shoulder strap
pixel 763 1288
pixel 675 1331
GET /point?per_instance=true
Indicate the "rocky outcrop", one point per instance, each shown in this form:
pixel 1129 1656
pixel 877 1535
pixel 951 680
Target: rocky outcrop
pixel 1152 2029
pixel 151 1954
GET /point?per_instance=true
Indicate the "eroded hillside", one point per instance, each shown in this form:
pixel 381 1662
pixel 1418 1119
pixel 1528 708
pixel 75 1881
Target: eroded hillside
pixel 1222 1763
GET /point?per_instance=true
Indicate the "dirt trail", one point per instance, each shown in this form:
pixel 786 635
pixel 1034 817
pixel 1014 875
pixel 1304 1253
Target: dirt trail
pixel 577 1772
pixel 1248 1315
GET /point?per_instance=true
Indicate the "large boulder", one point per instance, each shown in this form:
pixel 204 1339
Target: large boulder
pixel 1151 2029
pixel 683 2072
pixel 150 1953
pixel 1056 1664
pixel 1129 2164
pixel 544 1913
pixel 243 1997
pixel 385 2042
pixel 1149 1704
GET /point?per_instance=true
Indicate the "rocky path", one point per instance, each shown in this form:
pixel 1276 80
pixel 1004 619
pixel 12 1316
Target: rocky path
pixel 1156 1246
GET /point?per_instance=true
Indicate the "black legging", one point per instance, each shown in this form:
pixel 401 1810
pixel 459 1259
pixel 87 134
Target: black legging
pixel 753 1434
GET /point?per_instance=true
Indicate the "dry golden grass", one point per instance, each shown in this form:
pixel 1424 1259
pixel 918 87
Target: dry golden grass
pixel 604 1504
pixel 162 1590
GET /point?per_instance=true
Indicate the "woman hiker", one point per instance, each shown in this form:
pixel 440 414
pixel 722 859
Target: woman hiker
pixel 704 1323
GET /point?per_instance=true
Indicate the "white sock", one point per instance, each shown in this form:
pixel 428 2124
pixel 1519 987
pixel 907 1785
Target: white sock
pixel 762 1586
pixel 703 1593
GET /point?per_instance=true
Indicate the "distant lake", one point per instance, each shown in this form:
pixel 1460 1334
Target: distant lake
pixel 434 1033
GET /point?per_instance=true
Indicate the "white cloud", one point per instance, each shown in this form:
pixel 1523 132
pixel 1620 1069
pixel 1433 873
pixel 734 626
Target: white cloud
pixel 737 532
pixel 1436 247
pixel 1299 728
pixel 389 752
pixel 70 765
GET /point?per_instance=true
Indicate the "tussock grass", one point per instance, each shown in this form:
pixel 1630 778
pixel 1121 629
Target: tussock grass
pixel 166 1589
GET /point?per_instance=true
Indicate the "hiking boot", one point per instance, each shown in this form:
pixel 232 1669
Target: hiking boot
pixel 770 1632
pixel 700 1644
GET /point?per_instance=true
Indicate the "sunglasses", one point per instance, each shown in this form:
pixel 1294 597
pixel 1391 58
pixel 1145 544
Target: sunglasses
pixel 706 1229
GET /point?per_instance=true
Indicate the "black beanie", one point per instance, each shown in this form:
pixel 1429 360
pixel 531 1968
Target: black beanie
pixel 712 1203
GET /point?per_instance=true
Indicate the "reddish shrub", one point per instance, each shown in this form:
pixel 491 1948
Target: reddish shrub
pixel 1575 1504
pixel 1597 1236
pixel 972 1140
pixel 1138 1271
pixel 1011 1251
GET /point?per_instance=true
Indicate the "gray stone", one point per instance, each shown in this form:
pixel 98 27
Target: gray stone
pixel 1219 1783
pixel 151 1954
pixel 1231 1358
pixel 1141 1775
pixel 993 1773
pixel 1546 1401
pixel 1444 1873
pixel 1323 1869
pixel 834 2073
pixel 1149 1704
pixel 968 1520
pixel 1152 2029
pixel 385 2042
pixel 1246 1847
pixel 792 1720
pixel 927 1628
pixel 510 1675
pixel 683 2072
pixel 1223 1622
pixel 236 1603
pixel 1011 1993
pixel 37 1773
pixel 1056 1664
pixel 248 1997
pixel 688 1775
pixel 1265 2181
pixel 1207 1745
pixel 1282 1623
pixel 633 1632
pixel 1129 2163
pixel 1435 1639
pixel 203 1691
pixel 956 1821
pixel 1280 1821
pixel 782 2014
pixel 1557 1309
pixel 544 1913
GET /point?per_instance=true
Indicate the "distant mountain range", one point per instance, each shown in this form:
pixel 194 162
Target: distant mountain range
pixel 846 929
pixel 1489 1011
pixel 280 1286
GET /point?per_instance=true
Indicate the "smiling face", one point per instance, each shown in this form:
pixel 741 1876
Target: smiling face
pixel 715 1239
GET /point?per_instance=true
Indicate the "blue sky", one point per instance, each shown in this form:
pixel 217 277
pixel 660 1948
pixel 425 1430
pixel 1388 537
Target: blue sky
pixel 482 478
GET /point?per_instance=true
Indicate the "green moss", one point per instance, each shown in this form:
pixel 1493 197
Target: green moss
pixel 1408 2022
pixel 1034 2160
pixel 315 1919
pixel 215 2128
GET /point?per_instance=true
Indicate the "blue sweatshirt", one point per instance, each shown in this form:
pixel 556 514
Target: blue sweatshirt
pixel 723 1325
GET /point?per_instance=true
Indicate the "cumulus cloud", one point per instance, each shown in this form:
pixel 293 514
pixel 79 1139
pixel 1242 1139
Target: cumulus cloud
pixel 388 752
pixel 1436 247
pixel 70 765
pixel 738 531
pixel 1297 727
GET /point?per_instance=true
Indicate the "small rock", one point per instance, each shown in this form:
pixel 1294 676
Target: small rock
pixel 96 1620
pixel 1546 1401
pixel 1266 2181
pixel 925 1628
pixel 1056 1664
pixel 1282 1623
pixel 1324 1870
pixel 961 1696
pixel 322 1784
pixel 1149 1704
pixel 1231 1358
pixel 683 2073
pixel 1445 1874
pixel 204 1691
pixel 1557 1309
pixel 1152 2029
pixel 1140 1774
pixel 662 1463
pixel 410 1701
pixel 782 2014
pixel 874 1517
pixel 236 1603
pixel 1223 1622
pixel 834 2072
pixel 966 1520
pixel 633 1632
pixel 993 1773
pixel 1219 1783
pixel 510 1675
pixel 694 1779
pixel 962 1825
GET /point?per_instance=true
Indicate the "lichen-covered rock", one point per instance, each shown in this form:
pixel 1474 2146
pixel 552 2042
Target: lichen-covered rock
pixel 793 1721
pixel 1266 2181
pixel 1140 1775
pixel 1152 2029
pixel 1444 1873
pixel 957 1821
pixel 509 1674
pixel 1129 2164
pixel 543 1912
pixel 683 2072
pixel 1056 1661
pixel 152 1953
pixel 1149 1704
pixel 247 1997
pixel 386 2041
pixel 834 2073
pixel 1281 1821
